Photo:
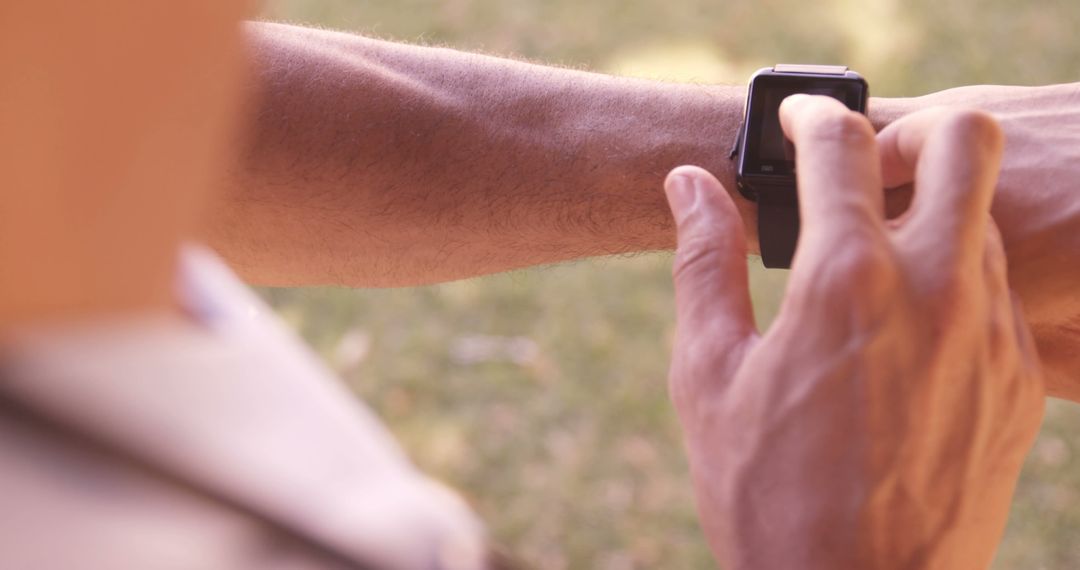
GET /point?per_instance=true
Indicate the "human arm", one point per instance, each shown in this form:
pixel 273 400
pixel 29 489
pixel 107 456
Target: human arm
pixel 383 164
pixel 882 422
pixel 380 164
pixel 371 163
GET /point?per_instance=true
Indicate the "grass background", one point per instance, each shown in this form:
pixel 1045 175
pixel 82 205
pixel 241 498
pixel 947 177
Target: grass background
pixel 540 394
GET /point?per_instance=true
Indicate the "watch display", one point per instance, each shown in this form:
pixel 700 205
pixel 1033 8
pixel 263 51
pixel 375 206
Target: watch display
pixel 766 159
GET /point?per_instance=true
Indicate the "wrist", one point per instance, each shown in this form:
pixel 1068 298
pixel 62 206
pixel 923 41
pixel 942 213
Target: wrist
pixel 883 111
pixel 717 115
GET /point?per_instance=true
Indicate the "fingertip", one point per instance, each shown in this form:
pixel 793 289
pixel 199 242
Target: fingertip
pixel 792 103
pixel 813 111
pixel 690 187
pixel 695 175
pixel 681 193
pixel 789 109
pixel 689 171
pixel 976 129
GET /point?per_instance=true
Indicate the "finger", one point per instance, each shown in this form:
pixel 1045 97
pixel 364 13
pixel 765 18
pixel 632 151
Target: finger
pixel 954 157
pixel 839 172
pixel 712 294
pixel 899 145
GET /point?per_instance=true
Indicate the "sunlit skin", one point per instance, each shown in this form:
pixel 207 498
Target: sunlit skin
pixel 1037 208
pixel 369 163
pixel 882 422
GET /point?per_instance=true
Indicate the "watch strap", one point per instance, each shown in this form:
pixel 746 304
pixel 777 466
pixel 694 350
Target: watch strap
pixel 778 224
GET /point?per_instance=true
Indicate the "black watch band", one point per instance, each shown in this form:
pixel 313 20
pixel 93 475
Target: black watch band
pixel 778 224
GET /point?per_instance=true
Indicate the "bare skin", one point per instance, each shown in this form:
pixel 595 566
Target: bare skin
pixel 380 164
pixel 883 421
pixel 363 166
pixel 1037 208
pixel 572 163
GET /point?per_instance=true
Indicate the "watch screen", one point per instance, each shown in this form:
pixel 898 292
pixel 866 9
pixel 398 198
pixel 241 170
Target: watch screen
pixel 774 145
pixel 767 150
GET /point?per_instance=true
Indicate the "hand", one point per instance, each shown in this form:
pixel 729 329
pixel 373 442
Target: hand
pixel 883 420
pixel 1037 208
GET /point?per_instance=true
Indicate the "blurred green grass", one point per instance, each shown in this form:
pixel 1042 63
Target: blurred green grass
pixel 540 394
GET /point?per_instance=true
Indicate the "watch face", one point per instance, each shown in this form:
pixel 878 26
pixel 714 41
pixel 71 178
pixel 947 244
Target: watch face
pixel 766 151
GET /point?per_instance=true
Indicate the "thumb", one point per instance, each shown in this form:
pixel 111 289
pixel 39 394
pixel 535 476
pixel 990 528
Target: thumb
pixel 712 294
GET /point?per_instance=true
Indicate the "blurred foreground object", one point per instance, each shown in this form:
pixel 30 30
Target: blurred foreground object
pixel 143 441
pixel 139 430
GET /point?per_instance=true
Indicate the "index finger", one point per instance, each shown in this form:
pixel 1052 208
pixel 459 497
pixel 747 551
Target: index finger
pixel 953 157
pixel 838 170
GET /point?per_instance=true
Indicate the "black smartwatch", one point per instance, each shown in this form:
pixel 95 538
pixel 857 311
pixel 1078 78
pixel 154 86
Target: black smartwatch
pixel 766 159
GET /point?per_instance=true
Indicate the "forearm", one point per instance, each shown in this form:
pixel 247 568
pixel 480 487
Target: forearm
pixel 380 164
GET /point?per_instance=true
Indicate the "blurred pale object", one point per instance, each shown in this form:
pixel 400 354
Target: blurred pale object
pixel 220 443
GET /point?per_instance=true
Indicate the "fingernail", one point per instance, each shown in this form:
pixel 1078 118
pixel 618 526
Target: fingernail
pixel 682 195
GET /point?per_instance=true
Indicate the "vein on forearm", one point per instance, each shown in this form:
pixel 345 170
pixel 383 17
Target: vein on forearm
pixel 372 163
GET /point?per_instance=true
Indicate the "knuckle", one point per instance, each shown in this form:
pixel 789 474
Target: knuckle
pixel 859 264
pixel 960 284
pixel 692 255
pixel 953 292
pixel 859 274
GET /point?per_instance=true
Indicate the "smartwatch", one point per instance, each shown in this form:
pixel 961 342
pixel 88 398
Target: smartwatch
pixel 766 159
